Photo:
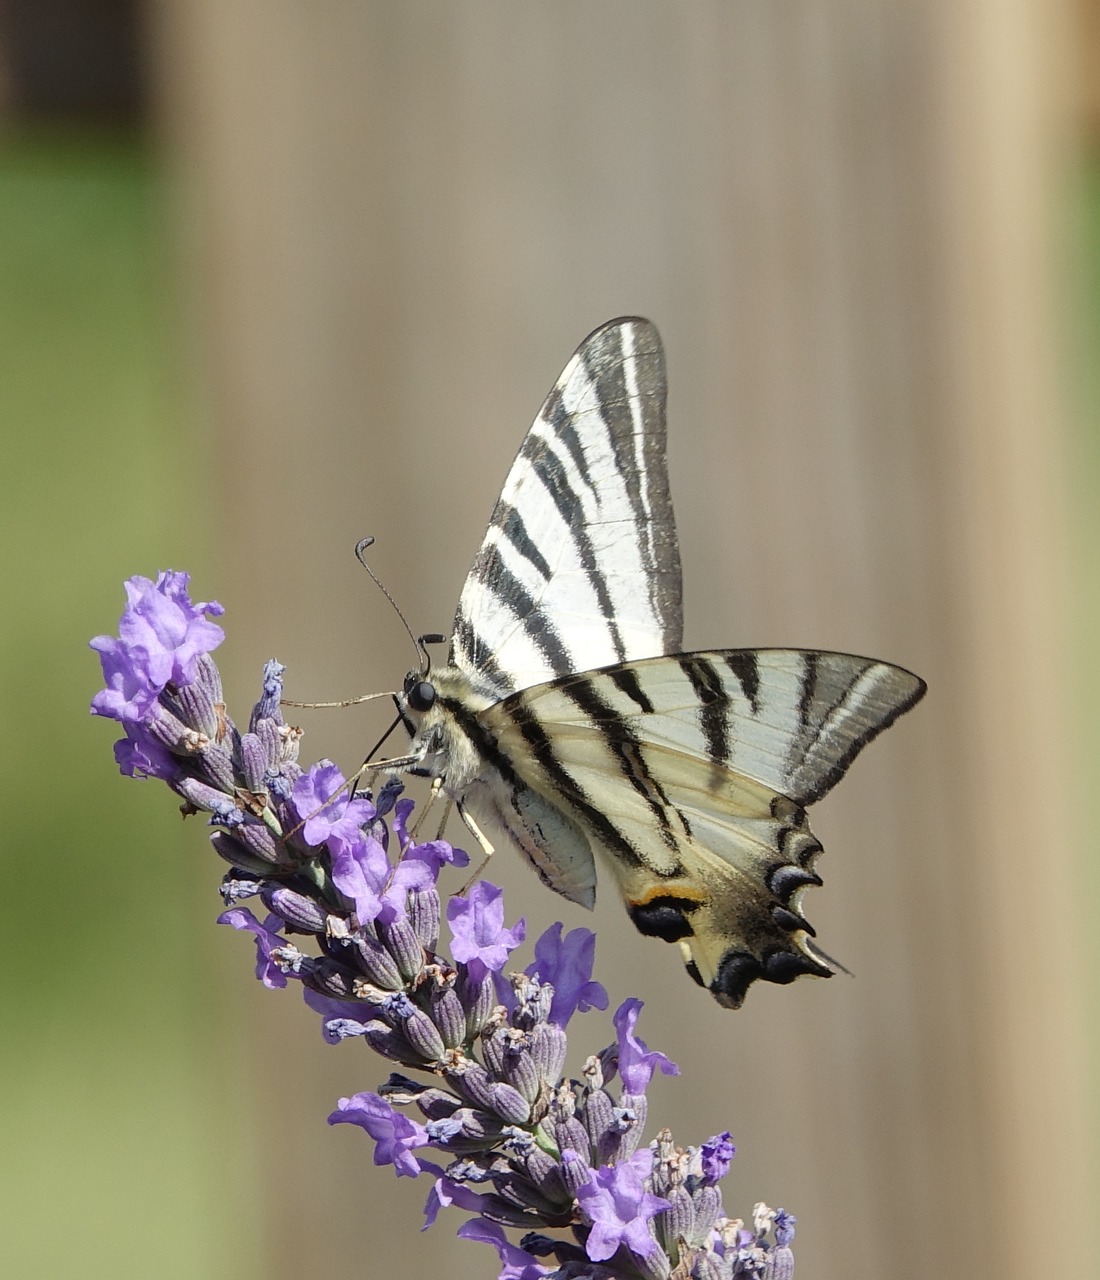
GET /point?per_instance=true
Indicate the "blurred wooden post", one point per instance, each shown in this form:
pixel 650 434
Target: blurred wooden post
pixel 398 221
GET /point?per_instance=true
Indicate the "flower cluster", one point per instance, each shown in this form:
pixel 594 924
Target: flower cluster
pixel 527 1148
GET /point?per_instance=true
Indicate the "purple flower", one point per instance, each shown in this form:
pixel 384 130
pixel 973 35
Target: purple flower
pixel 566 963
pixel 131 691
pixel 717 1155
pixel 533 1148
pixel 322 806
pixel 267 940
pixel 395 1135
pixel 637 1062
pixel 619 1208
pixel 515 1263
pixel 481 941
pixel 446 1192
pixel 139 755
pixel 434 853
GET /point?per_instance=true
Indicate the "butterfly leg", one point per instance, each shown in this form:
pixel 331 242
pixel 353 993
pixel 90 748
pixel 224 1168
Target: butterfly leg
pixel 433 796
pixel 479 836
pixel 443 821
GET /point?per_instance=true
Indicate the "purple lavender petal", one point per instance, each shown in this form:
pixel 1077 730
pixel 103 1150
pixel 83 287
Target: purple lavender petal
pixel 139 755
pixel 161 619
pixel 717 1155
pixel 447 1192
pixel 566 963
pixel 394 1134
pixel 636 1061
pixel 359 869
pixel 267 940
pixel 333 1011
pixel 481 941
pixel 620 1208
pixel 434 853
pixel 784 1227
pixel 130 691
pixel 515 1263
pixel 321 804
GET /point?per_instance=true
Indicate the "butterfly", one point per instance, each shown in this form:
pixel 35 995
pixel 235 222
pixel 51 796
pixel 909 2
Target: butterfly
pixel 568 718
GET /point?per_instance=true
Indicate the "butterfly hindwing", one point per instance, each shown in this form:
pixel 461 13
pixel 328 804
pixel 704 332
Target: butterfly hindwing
pixel 689 774
pixel 580 566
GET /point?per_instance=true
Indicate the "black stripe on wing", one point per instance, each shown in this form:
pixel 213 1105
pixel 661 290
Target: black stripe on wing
pixel 585 523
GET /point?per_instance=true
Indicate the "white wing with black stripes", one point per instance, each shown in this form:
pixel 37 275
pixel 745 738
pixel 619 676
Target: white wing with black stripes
pixel 689 775
pixel 580 566
pixel 567 719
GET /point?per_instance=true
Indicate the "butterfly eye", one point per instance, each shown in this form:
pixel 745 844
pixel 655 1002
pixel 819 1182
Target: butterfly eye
pixel 420 695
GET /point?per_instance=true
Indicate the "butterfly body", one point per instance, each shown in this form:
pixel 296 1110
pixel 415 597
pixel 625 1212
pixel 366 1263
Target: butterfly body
pixel 567 718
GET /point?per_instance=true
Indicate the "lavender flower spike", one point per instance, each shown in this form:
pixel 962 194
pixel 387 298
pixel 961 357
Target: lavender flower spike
pixel 354 916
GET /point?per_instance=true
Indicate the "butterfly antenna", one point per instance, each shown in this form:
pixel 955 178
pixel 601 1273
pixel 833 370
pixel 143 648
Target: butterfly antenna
pixel 423 657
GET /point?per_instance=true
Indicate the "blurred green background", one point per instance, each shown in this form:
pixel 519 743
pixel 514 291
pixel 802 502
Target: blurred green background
pixel 122 1054
pixel 108 1005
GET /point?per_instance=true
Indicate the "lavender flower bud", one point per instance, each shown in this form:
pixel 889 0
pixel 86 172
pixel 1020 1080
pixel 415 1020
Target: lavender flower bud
pixel 708 1209
pixel 255 760
pixel 534 1001
pixel 422 1033
pixel 375 961
pixel 478 999
pixel 217 764
pixel 632 1111
pixel 520 1070
pixel 435 1104
pixel 510 1104
pixel 390 1044
pixel 201 796
pixel 200 706
pixel 525 1195
pixel 598 1117
pixel 545 1172
pixel 447 1012
pixel 268 706
pixel 493 1049
pixel 548 1049
pixel 468 1079
pixel 709 1266
pixel 236 890
pixel 466 1131
pixel 425 916
pixel 675 1222
pixel 165 727
pixel 295 908
pixel 780 1264
pixel 259 841
pixel 652 1266
pixel 237 855
pixel 576 1172
pixel 327 977
pixel 405 947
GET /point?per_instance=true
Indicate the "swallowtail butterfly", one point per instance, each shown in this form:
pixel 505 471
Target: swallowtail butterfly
pixel 568 718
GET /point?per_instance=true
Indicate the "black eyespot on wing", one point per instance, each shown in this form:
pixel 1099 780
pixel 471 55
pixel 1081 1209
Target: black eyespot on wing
pixel 665 918
pixel 784 880
pixel 420 695
pixel 790 921
pixel 739 970
pixel 735 975
pixel 785 966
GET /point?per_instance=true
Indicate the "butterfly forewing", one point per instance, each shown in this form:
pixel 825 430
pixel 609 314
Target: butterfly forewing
pixel 580 566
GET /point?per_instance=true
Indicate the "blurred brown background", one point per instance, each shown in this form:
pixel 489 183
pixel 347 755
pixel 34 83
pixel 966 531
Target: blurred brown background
pixel 861 228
